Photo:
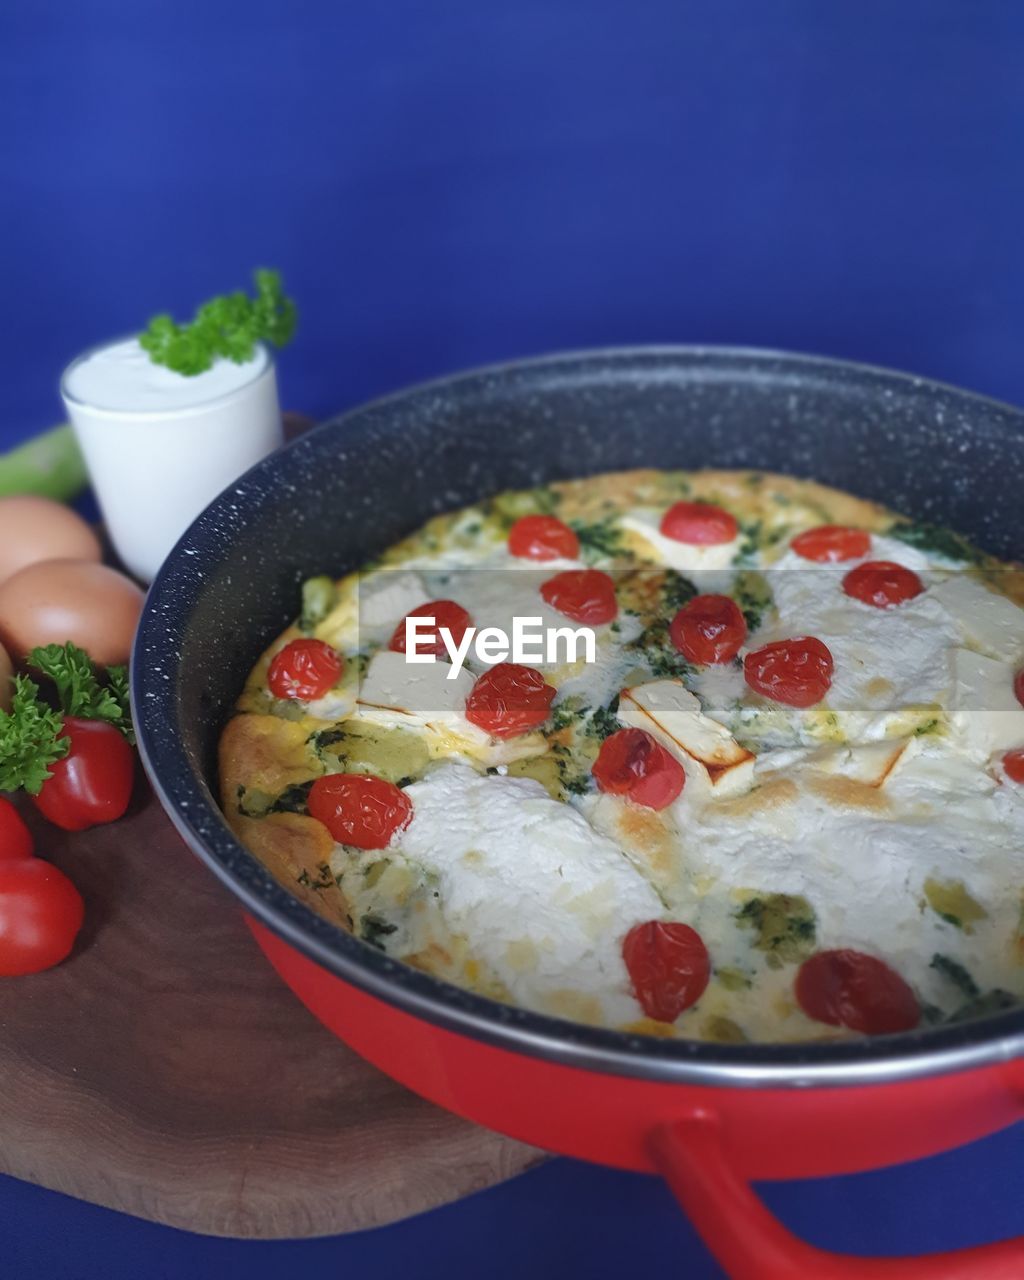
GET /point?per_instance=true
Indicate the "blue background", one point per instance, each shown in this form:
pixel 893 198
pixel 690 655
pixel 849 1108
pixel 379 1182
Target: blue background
pixel 449 183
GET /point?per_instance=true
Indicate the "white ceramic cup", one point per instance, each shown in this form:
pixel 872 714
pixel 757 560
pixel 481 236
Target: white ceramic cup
pixel 160 446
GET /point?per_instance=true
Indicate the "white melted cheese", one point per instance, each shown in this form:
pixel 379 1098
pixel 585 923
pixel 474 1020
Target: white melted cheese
pixel 884 658
pixel 863 870
pixel 337 704
pixel 430 698
pixel 985 621
pixel 711 757
pixel 385 597
pixel 417 695
pixel 894 668
pixel 987 716
pixel 544 900
pixel 686 557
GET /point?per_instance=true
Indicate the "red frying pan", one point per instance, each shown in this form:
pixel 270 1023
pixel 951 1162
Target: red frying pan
pixel 710 1118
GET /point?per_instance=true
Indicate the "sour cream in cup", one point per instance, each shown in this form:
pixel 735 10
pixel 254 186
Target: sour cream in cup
pixel 159 445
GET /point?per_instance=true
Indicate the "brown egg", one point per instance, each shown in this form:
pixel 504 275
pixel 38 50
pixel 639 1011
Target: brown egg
pixel 6 671
pixel 34 529
pixel 59 600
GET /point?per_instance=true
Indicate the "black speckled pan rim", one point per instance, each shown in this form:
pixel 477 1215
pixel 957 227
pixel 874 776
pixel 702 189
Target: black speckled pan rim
pixel 187 798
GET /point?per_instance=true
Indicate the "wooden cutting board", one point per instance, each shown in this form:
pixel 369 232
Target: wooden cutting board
pixel 164 1069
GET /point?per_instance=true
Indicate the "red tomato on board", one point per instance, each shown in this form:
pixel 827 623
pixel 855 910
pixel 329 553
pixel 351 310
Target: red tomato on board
pixel 542 538
pixel 831 543
pixel 882 584
pixel 304 669
pixel 668 966
pixel 584 595
pixel 93 783
pixel 1018 686
pixel 447 614
pixel 633 764
pixel 509 699
pixel 359 809
pixel 1013 765
pixel 699 523
pixel 41 913
pixel 850 989
pixel 797 672
pixel 708 629
pixel 15 838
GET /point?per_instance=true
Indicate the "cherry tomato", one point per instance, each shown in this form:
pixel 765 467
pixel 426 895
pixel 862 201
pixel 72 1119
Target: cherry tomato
pixel 633 764
pixel 585 595
pixel 446 613
pixel 850 989
pixel 831 543
pixel 668 965
pixel 304 669
pixel 1013 765
pixel 41 913
pixel 797 672
pixel 93 783
pixel 359 809
pixel 542 538
pixel 509 699
pixel 1018 686
pixel 882 583
pixel 15 838
pixel 708 629
pixel 699 523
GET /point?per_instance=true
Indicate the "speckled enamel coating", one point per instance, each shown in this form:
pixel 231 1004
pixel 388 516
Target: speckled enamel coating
pixel 356 484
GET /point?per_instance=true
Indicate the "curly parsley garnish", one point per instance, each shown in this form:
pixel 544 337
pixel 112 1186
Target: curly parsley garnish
pixel 228 327
pixel 31 733
pixel 30 739
pixel 79 689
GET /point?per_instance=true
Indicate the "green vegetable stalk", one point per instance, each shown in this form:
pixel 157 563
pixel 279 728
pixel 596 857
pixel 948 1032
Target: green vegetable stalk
pixel 318 597
pixel 48 466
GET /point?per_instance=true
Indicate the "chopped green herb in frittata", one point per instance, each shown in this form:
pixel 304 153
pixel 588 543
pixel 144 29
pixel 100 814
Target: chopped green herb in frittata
pixel 784 926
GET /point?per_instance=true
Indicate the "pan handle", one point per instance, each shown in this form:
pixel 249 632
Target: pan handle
pixel 750 1244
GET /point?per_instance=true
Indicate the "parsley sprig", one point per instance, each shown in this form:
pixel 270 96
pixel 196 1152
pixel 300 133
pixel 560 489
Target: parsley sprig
pixel 30 739
pixel 31 732
pixel 228 327
pixel 79 691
